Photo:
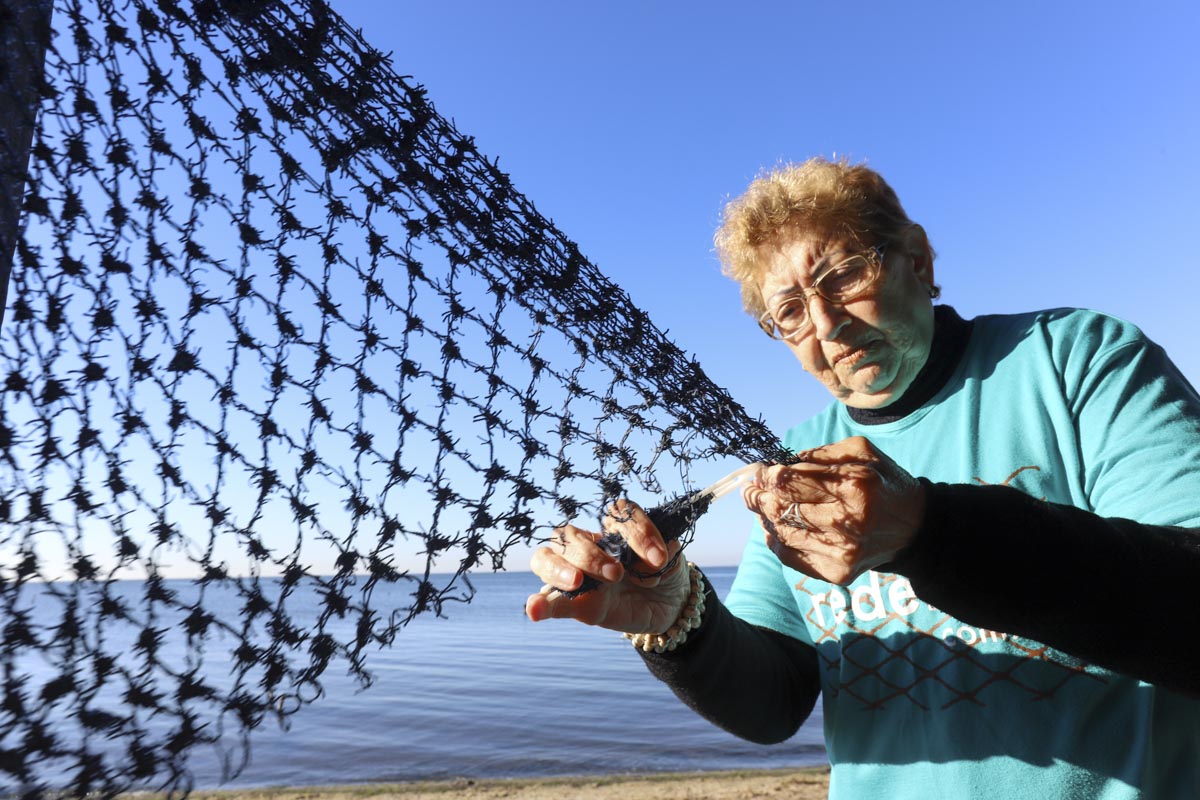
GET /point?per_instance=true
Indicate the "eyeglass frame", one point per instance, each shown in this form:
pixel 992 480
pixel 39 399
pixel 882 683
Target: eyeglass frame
pixel 767 323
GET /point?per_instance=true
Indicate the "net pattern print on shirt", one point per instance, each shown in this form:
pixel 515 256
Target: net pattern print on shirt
pixel 897 650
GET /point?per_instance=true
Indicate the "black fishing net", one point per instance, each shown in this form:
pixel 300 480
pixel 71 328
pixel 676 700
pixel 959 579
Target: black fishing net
pixel 276 328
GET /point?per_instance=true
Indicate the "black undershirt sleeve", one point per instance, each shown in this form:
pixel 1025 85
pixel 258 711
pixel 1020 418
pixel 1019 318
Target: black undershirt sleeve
pixel 754 682
pixel 1113 592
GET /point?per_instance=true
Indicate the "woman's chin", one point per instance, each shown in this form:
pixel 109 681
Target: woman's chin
pixel 870 379
pixel 870 386
pixel 867 401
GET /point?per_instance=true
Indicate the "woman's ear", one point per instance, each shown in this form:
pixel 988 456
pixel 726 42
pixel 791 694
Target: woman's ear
pixel 916 244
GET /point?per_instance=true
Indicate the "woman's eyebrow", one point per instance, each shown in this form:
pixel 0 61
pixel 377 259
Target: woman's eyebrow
pixel 815 271
pixel 793 290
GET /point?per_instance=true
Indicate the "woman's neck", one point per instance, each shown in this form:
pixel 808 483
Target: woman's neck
pixel 950 335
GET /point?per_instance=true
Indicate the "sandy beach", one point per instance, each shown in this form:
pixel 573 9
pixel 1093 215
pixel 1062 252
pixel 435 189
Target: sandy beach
pixel 794 784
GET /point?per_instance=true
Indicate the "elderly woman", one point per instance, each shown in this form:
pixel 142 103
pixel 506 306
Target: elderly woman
pixel 1015 622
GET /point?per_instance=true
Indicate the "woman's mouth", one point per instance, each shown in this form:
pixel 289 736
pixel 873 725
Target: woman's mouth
pixel 849 358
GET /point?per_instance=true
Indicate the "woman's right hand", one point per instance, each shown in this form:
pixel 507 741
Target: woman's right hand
pixel 623 601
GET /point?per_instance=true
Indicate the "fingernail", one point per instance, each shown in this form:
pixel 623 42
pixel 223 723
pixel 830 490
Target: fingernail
pixel 611 572
pixel 566 576
pixel 656 556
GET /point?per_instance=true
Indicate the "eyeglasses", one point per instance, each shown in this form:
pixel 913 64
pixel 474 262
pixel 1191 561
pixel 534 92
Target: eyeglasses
pixel 847 278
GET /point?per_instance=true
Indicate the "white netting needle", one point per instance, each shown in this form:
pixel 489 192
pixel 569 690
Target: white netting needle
pixel 727 484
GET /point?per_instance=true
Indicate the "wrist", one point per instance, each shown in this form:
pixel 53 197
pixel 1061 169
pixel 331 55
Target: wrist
pixel 919 521
pixel 688 619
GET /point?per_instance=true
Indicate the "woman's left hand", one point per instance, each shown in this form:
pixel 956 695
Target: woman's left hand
pixel 844 509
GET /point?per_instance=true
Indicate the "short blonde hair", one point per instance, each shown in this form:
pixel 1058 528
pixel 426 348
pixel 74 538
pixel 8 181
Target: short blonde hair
pixel 832 197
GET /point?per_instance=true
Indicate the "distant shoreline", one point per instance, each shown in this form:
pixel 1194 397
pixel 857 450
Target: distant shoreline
pixel 803 783
pixel 65 581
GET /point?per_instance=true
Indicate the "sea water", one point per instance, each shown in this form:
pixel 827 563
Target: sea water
pixel 483 692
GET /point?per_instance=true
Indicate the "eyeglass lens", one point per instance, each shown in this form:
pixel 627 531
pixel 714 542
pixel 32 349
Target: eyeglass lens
pixel 841 283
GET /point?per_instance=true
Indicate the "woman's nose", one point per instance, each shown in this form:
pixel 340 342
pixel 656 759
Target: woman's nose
pixel 828 318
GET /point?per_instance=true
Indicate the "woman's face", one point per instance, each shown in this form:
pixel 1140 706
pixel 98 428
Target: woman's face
pixel 868 351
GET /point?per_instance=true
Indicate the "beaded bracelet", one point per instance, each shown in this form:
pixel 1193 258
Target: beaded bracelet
pixel 689 620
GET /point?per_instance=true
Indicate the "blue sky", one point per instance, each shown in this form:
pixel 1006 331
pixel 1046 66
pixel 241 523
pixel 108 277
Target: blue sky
pixel 1048 149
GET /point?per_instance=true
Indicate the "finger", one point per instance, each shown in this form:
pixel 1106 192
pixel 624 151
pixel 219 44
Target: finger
pixel 813 529
pixel 781 517
pixel 546 604
pixel 754 496
pixel 780 508
pixel 787 552
pixel 628 520
pixel 555 570
pixel 782 551
pixel 657 574
pixel 580 555
pixel 853 449
pixel 798 483
pixel 831 567
pixel 552 604
pixel 535 605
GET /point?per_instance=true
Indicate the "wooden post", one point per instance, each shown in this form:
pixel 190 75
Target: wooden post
pixel 24 36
